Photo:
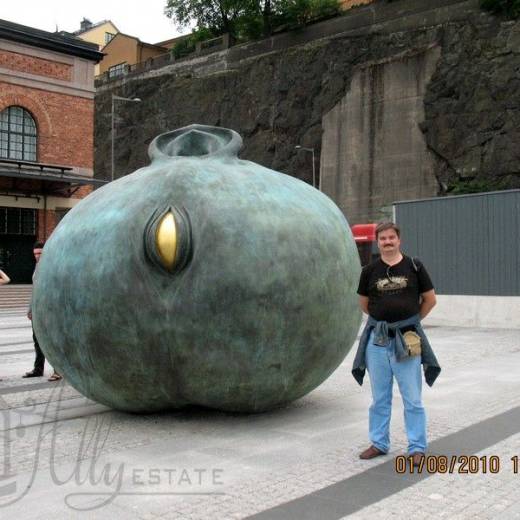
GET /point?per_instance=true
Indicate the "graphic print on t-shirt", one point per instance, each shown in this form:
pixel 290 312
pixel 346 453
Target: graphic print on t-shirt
pixel 392 283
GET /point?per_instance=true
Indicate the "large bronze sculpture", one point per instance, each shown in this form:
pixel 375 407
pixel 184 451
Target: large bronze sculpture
pixel 201 279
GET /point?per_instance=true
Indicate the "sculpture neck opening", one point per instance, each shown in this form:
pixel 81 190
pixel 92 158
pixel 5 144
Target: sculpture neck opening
pixel 196 141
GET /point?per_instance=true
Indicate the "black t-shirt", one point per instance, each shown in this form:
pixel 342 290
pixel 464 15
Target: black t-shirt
pixel 393 291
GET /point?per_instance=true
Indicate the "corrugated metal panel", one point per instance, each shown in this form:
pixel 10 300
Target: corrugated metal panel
pixel 470 244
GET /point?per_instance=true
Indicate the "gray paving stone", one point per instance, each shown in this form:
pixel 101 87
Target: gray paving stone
pixel 268 459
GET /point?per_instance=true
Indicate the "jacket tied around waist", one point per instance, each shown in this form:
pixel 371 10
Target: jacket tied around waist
pixel 381 337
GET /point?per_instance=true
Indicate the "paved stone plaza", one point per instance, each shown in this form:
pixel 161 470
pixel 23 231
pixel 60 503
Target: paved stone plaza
pixel 64 456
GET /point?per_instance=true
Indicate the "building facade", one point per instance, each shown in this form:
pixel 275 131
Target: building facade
pixel 100 33
pixel 123 51
pixel 46 137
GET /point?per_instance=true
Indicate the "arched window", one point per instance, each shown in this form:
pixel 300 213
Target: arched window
pixel 17 134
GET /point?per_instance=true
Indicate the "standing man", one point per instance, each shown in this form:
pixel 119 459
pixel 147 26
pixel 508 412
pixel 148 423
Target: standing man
pixel 396 292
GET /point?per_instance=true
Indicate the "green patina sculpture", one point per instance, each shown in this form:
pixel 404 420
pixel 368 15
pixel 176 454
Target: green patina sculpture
pixel 201 279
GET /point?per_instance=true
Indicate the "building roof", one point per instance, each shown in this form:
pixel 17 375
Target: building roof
pixel 52 176
pixel 172 41
pixel 139 42
pixel 65 43
pixel 94 26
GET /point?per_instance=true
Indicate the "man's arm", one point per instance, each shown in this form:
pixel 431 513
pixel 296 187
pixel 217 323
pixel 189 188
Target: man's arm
pixel 428 301
pixel 363 303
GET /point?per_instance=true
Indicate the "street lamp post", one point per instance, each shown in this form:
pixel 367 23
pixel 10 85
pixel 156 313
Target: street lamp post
pixel 298 147
pixel 118 98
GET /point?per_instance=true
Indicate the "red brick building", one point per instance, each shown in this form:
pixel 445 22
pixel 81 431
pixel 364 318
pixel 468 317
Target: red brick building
pixel 46 136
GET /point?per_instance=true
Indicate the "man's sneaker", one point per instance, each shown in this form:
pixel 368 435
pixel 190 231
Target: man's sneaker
pixel 371 453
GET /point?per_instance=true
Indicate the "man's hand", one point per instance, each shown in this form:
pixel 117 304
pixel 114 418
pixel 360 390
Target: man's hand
pixel 428 301
pixel 363 303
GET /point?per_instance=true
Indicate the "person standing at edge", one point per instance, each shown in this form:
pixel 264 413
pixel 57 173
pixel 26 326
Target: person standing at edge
pixel 396 292
pixel 39 361
pixel 4 279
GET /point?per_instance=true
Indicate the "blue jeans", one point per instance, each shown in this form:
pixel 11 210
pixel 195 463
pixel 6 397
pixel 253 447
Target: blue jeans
pixel 382 368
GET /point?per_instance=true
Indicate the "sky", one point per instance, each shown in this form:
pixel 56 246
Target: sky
pixel 141 18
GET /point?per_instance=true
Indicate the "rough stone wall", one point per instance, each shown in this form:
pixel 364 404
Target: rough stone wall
pixel 472 104
pixel 278 100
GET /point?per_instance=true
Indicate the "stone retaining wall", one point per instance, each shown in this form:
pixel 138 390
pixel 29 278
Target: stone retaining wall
pixel 277 94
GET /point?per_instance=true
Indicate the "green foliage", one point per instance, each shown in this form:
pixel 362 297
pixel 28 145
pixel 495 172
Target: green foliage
pixel 248 19
pixel 250 27
pixel 510 8
pixel 298 13
pixel 183 47
pixel 462 187
pixel 217 16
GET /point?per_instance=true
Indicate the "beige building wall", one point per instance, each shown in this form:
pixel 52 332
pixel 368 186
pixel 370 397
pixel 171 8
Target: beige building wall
pixel 122 49
pixel 148 51
pixel 97 35
pixel 129 50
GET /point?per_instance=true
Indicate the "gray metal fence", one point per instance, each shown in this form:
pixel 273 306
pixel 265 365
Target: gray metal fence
pixel 470 244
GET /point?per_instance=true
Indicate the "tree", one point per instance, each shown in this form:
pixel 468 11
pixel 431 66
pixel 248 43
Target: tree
pixel 248 19
pixel 218 16
pixel 298 13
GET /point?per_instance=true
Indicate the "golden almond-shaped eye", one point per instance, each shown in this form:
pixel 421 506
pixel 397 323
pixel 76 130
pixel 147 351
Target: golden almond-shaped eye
pixel 167 239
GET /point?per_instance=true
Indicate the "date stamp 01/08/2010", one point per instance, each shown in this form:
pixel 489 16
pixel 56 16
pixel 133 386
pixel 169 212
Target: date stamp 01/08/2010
pixel 460 464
